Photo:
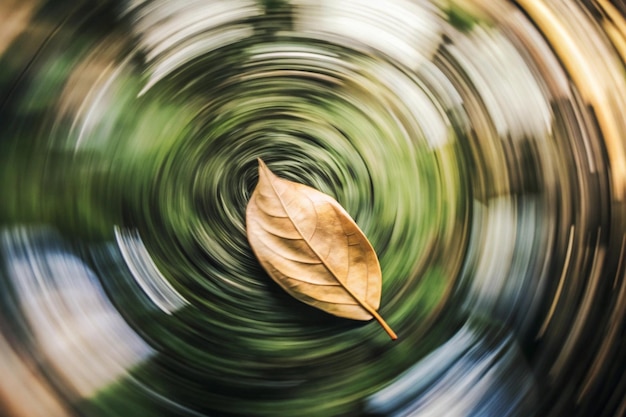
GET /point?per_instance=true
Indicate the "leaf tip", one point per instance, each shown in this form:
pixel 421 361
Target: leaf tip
pixel 263 169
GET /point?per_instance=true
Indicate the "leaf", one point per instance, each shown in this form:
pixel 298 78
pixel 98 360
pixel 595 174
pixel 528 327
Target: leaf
pixel 313 249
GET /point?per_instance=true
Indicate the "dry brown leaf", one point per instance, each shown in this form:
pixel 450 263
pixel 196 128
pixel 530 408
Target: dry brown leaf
pixel 313 249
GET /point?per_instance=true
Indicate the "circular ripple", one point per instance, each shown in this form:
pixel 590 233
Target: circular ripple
pixel 479 147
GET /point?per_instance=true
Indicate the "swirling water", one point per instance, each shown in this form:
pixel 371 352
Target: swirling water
pixel 479 145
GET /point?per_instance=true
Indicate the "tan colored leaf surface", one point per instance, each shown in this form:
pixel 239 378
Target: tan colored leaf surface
pixel 313 249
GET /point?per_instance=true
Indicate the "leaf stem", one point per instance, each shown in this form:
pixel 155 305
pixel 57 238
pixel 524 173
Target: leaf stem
pixel 384 324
